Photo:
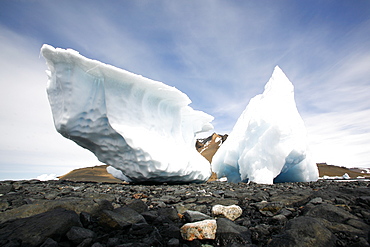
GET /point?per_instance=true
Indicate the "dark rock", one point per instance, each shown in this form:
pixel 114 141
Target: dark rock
pixel 97 245
pixel 4 205
pixel 79 234
pixel 49 242
pixel 173 242
pixel 141 229
pixel 365 200
pixel 316 200
pixel 34 231
pixel 112 242
pixel 193 216
pixel 86 242
pixel 259 232
pixel 138 205
pixel 291 198
pixel 341 201
pixel 120 218
pixel 170 213
pixel 279 219
pixel 150 216
pixel 5 188
pixel 169 199
pixel 228 232
pixel 170 231
pixel 154 239
pixel 77 205
pixel 330 213
pixel 86 219
pixel 287 213
pixel 304 231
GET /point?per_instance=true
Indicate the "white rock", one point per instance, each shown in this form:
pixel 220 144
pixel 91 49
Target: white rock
pixel 205 229
pixel 141 127
pixel 231 212
pixel 268 143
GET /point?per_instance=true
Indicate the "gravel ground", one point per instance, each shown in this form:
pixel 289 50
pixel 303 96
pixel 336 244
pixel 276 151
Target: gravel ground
pixel 63 213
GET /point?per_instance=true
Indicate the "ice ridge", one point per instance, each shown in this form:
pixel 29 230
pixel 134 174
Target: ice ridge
pixel 139 126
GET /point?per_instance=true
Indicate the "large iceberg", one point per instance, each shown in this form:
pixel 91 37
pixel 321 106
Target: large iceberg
pixel 268 142
pixel 141 127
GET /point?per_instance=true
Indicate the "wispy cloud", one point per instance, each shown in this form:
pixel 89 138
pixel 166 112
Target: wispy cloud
pixel 27 133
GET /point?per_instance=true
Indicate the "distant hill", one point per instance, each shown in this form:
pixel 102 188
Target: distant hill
pixel 91 174
pixel 332 171
pixel 209 146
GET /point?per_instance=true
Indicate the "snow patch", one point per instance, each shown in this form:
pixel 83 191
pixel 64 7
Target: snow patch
pixel 46 177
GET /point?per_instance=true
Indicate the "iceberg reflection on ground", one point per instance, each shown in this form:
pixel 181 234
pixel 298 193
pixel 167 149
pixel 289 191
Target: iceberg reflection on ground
pixel 141 127
pixel 268 143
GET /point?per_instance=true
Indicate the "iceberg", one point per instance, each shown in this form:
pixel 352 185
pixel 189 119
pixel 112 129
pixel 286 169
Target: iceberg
pixel 268 142
pixel 139 126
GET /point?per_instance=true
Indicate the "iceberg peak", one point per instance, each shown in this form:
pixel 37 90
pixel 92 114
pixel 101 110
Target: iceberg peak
pixel 279 84
pixel 268 142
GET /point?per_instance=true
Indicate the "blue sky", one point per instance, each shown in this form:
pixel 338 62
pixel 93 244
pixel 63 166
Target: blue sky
pixel 220 53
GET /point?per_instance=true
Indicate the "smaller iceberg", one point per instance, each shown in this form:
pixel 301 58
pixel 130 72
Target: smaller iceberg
pixel 268 142
pixel 144 129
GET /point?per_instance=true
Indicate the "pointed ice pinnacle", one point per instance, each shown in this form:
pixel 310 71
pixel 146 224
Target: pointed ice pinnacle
pixel 268 142
pixel 141 127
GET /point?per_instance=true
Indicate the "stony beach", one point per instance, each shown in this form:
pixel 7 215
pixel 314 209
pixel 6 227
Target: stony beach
pixel 66 213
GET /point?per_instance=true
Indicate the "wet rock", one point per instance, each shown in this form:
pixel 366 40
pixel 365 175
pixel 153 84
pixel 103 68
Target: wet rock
pixel 34 231
pixel 5 188
pixel 170 213
pixel 77 205
pixel 260 232
pixel 169 199
pixel 86 242
pixel 173 242
pixel 330 213
pixel 317 200
pixel 170 231
pixel 138 205
pixel 231 212
pixel 279 219
pixel 113 242
pixel 150 216
pixel 120 218
pixel 228 232
pixel 205 229
pixel 292 198
pixel 79 234
pixel 86 219
pixel 364 200
pixel 4 205
pixel 141 229
pixel 304 231
pixel 49 242
pixel 97 245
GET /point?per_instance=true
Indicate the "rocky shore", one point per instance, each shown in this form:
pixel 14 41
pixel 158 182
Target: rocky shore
pixel 65 213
